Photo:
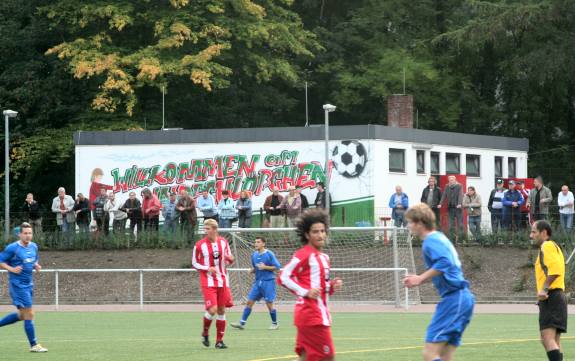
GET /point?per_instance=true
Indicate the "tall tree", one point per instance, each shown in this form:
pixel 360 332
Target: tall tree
pixel 128 45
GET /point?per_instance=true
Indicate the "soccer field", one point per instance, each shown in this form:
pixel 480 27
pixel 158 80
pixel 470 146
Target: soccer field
pixel 175 336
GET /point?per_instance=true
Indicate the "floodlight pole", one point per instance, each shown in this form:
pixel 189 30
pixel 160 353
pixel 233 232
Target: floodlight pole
pixel 328 108
pixel 7 115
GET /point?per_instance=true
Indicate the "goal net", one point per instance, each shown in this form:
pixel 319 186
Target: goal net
pixel 372 262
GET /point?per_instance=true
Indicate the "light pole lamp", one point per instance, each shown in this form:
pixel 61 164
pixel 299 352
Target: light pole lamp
pixel 327 108
pixel 7 115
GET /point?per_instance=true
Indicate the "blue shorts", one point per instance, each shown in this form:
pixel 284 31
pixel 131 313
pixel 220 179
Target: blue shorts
pixel 22 297
pixel 265 289
pixel 451 317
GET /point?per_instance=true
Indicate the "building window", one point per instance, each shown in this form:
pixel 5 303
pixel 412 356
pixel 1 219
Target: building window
pixel 397 160
pixel 473 165
pixel 420 155
pixel 434 163
pixel 452 163
pixel 498 167
pixel 511 167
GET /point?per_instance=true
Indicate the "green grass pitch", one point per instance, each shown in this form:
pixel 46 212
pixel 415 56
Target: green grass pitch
pixel 175 336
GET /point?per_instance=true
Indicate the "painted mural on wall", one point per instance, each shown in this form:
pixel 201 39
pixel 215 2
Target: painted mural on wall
pixel 255 167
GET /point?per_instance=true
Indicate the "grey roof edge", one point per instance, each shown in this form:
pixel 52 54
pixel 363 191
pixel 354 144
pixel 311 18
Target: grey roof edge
pixel 278 134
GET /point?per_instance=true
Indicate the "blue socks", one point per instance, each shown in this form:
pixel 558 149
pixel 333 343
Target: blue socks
pixel 29 328
pixel 9 319
pixel 274 316
pixel 245 315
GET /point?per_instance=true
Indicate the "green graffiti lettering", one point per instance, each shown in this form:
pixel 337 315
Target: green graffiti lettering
pixel 229 170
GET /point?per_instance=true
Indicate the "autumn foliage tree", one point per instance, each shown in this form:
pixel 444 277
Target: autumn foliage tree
pixel 127 45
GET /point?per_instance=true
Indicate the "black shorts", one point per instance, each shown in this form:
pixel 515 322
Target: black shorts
pixel 553 312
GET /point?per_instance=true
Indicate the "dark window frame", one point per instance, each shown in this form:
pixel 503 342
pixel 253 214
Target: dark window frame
pixel 397 150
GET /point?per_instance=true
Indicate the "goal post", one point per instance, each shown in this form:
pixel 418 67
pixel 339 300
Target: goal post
pixel 372 261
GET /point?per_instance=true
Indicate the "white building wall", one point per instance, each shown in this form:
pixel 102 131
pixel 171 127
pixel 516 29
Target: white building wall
pixel 413 183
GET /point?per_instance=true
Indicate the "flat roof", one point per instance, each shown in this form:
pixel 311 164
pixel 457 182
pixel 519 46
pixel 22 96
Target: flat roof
pixel 278 134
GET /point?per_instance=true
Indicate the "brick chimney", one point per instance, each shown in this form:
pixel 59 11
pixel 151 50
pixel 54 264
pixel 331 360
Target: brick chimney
pixel 400 111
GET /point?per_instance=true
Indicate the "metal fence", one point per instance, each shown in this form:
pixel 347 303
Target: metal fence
pixel 141 284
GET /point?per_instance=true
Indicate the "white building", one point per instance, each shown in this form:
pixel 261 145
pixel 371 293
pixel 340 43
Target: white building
pixel 369 161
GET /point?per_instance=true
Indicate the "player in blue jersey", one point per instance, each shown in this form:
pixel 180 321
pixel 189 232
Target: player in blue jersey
pixel 20 259
pixel 264 265
pixel 455 309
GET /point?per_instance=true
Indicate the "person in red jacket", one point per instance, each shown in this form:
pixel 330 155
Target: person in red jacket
pixel 150 210
pixel 307 275
pixel 210 257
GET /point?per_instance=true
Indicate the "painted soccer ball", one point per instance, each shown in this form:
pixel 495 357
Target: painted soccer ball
pixel 349 158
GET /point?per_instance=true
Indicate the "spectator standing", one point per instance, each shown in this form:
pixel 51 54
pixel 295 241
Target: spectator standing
pixel 495 206
pixel 171 216
pixel 399 203
pixel 453 194
pixel 63 206
pixel 186 206
pixel 133 209
pixel 150 210
pixel 565 203
pixel 244 207
pixel 524 221
pixel 82 211
pixel 292 205
pixel 272 206
pixel 431 196
pixel 472 203
pixel 304 201
pixel 226 211
pixel 539 199
pixel 321 195
pixel 512 201
pixel 101 216
pixel 118 216
pixel 207 204
pixel 32 215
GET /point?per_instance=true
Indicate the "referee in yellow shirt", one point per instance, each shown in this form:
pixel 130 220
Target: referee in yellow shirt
pixel 550 278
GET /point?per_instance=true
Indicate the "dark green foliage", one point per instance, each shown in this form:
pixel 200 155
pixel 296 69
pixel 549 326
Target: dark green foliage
pixel 500 67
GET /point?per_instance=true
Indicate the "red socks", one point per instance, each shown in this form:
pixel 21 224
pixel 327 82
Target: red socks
pixel 207 324
pixel 220 327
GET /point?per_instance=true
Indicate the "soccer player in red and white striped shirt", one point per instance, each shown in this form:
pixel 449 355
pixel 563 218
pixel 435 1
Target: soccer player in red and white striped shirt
pixel 308 276
pixel 210 257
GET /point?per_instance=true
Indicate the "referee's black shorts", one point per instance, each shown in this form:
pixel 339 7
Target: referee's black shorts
pixel 553 312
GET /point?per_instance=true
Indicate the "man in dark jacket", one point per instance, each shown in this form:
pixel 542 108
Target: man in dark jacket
pixel 512 201
pixel 431 196
pixel 272 206
pixel 320 197
pixel 186 206
pixel 82 210
pixel 453 194
pixel 32 214
pixel 495 206
pixel 133 208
